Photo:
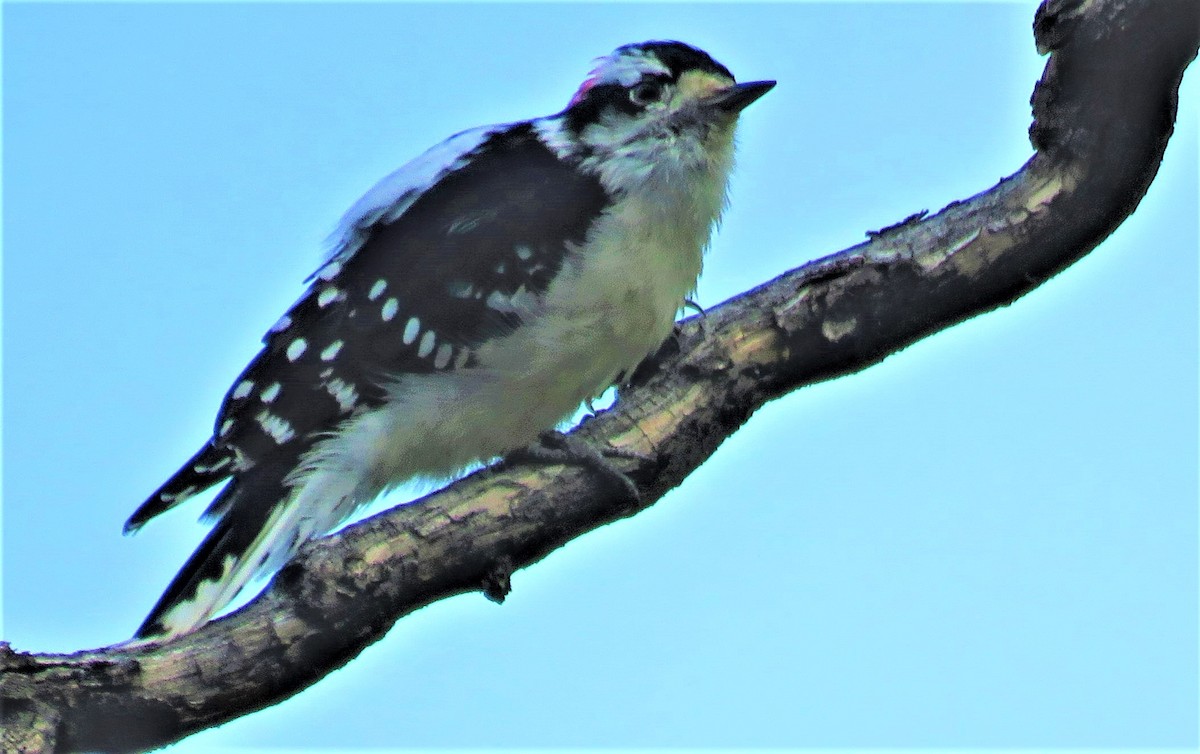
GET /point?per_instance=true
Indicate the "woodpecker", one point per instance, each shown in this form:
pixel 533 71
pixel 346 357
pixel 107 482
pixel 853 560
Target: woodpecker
pixel 472 300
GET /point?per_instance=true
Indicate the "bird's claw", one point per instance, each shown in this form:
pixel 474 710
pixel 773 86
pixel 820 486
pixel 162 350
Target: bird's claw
pixel 555 447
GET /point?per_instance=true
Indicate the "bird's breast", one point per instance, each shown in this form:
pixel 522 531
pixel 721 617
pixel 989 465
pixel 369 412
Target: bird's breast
pixel 615 299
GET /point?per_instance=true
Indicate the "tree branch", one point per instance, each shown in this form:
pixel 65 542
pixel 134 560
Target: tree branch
pixel 1104 111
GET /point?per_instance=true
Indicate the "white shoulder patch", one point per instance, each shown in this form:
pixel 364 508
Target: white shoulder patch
pixel 553 133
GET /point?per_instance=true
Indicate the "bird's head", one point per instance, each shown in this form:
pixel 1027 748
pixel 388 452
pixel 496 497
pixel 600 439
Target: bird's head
pixel 659 102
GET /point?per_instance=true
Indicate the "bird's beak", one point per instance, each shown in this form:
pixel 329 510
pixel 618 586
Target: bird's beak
pixel 734 99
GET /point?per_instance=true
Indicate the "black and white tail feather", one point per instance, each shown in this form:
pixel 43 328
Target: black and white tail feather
pixel 473 298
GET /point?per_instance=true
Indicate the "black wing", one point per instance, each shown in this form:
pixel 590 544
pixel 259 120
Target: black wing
pixel 418 295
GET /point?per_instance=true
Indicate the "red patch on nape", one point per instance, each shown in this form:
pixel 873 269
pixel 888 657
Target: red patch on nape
pixel 583 90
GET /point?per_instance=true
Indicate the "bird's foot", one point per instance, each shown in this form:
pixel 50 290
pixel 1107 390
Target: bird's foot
pixel 701 319
pixel 555 447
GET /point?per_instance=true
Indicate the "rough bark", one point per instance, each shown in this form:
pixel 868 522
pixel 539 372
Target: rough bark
pixel 1104 111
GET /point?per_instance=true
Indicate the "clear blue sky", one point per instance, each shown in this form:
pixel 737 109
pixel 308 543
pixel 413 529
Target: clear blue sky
pixel 988 540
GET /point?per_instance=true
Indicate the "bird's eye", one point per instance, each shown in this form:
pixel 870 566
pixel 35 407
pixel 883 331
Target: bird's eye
pixel 646 92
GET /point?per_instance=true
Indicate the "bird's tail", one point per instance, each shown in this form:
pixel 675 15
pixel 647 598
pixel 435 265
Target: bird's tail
pixel 211 465
pixel 257 531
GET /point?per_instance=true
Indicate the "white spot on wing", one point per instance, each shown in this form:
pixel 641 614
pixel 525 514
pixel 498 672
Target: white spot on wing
pixel 524 251
pixel 411 330
pixel 271 392
pixel 330 271
pixel 465 225
pixel 201 468
pixel 461 359
pixel 226 427
pixel 428 341
pixel 331 352
pixel 498 301
pixel 276 427
pixel 243 389
pixel 442 358
pixel 390 307
pixel 342 392
pixel 377 289
pixel 241 461
pixel 460 289
pixel 502 303
pixel 183 494
pixel 296 348
pixel 284 323
pixel 328 296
